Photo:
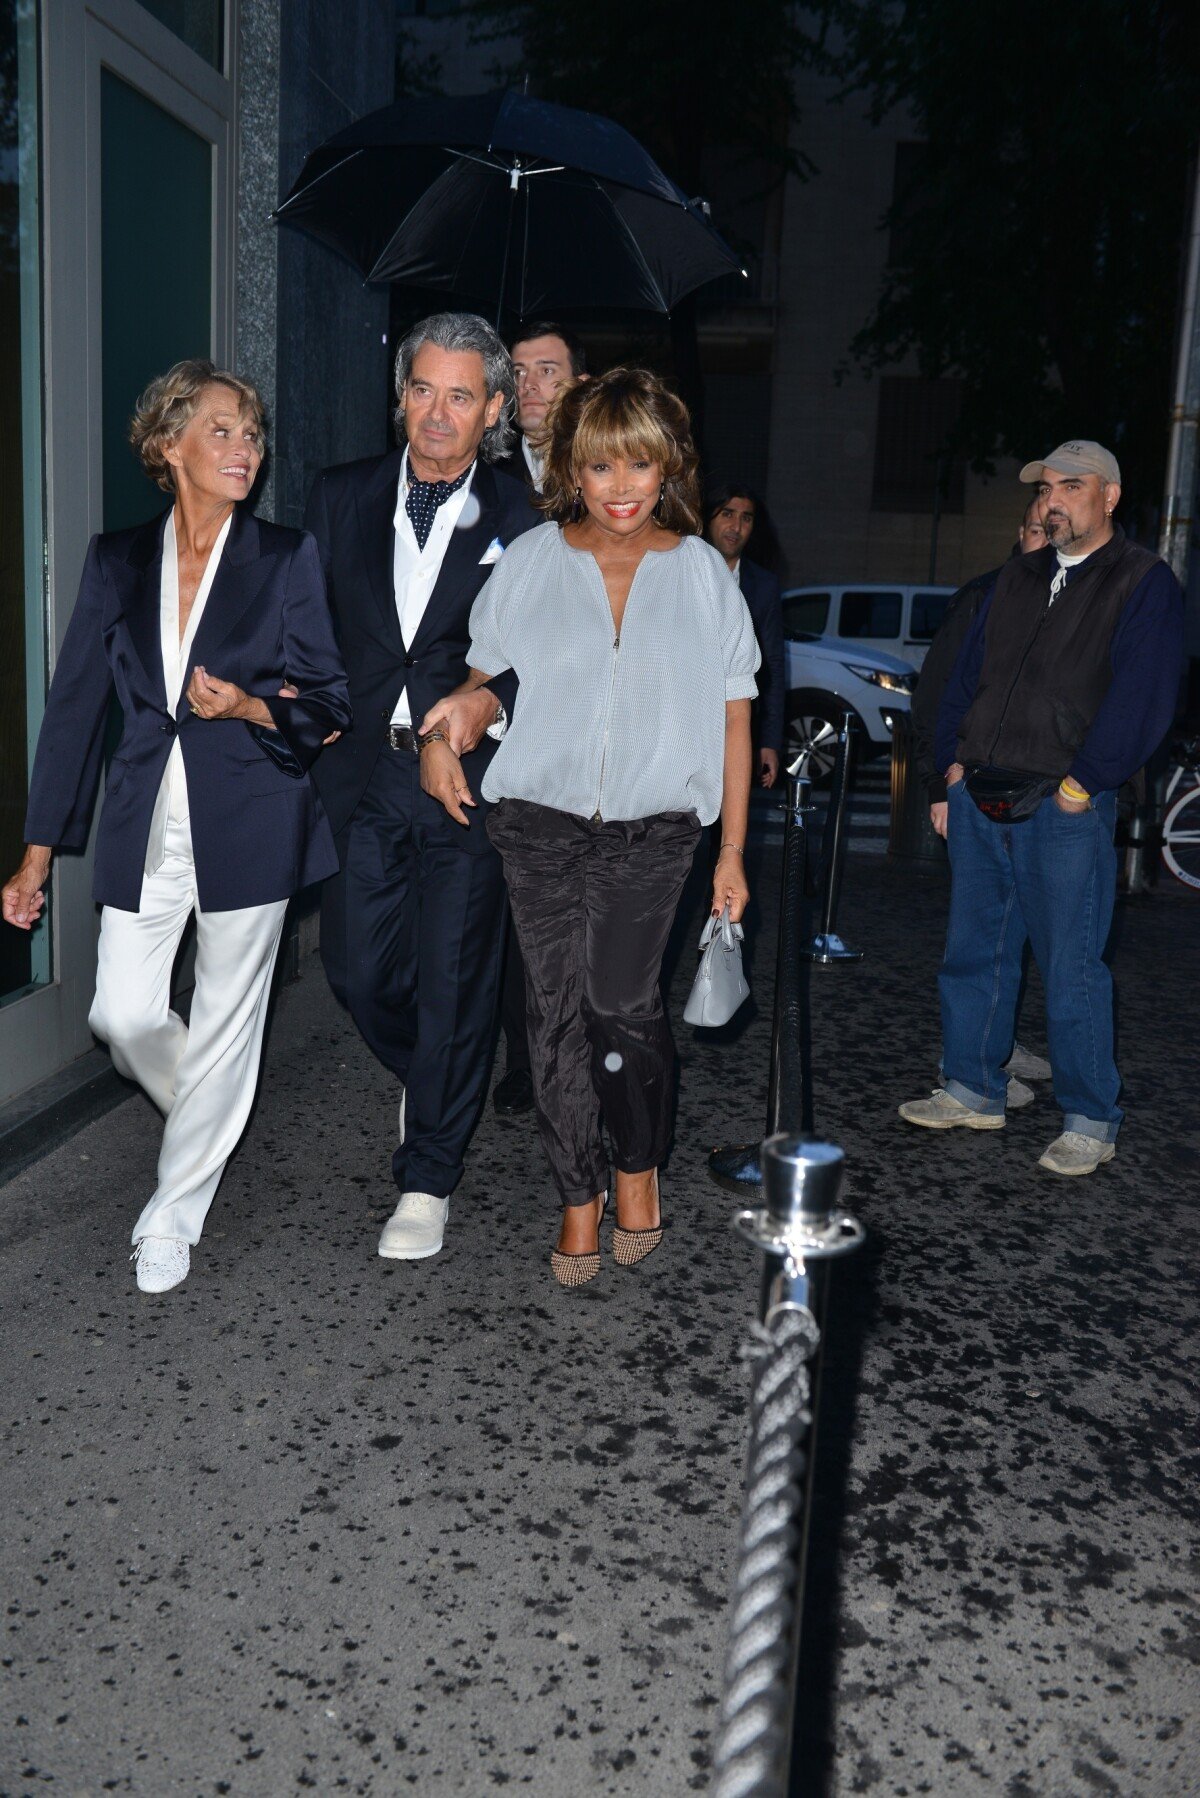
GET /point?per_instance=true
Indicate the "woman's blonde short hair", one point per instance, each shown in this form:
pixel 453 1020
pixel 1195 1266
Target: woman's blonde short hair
pixel 627 413
pixel 169 404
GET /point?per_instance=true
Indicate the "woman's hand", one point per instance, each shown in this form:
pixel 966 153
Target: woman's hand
pixel 443 779
pixel 464 717
pixel 25 894
pixel 729 885
pixel 211 698
pixel 939 816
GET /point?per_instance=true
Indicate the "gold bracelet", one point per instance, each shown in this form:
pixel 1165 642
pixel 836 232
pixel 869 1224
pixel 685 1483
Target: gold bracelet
pixel 436 735
pixel 1072 788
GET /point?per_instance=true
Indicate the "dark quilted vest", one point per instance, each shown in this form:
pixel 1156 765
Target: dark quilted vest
pixel 1046 668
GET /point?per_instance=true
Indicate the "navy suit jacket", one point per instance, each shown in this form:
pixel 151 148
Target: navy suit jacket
pixel 351 513
pixel 764 597
pixel 258 830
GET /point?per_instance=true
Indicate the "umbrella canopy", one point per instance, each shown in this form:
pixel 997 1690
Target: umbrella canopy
pixel 516 201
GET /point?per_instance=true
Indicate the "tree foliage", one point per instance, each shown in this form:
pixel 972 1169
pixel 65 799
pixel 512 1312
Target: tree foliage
pixel 1039 237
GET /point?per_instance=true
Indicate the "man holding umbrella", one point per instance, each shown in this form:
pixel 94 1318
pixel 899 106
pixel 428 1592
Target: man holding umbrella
pixel 412 927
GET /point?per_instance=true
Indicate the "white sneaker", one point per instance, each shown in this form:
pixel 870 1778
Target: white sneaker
pixel 161 1262
pixel 943 1112
pixel 1017 1094
pixel 1026 1065
pixel 415 1228
pixel 1074 1153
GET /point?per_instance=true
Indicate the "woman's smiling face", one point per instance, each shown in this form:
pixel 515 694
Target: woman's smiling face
pixel 621 495
pixel 218 453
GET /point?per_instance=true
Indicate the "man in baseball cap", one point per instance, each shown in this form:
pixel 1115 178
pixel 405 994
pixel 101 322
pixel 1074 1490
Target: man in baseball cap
pixel 1079 456
pixel 1064 687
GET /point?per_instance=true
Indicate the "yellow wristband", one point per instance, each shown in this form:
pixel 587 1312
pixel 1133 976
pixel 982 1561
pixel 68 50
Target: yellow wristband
pixel 1072 788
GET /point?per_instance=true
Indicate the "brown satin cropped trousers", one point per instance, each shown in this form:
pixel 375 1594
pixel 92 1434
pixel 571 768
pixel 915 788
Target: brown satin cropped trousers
pixel 593 904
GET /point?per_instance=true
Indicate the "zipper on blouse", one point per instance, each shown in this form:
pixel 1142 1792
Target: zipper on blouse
pixel 596 818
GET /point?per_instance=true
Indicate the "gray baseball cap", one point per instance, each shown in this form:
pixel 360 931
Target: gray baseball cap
pixel 1079 456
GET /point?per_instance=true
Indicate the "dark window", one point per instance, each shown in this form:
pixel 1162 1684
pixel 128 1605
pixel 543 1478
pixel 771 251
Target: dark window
pixel 928 610
pixel 870 615
pixel 805 614
pixel 914 420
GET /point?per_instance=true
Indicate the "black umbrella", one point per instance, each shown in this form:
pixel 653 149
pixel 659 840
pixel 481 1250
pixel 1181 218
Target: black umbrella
pixel 509 199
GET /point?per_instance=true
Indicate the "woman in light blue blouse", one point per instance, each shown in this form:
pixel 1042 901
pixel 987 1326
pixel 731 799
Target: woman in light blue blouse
pixel 636 656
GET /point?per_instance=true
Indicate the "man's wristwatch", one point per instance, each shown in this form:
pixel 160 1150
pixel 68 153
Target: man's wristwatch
pixel 499 723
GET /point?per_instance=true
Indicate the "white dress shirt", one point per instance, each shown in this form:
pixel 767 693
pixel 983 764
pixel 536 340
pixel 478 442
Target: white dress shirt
pixel 415 570
pixel 535 463
pixel 172 801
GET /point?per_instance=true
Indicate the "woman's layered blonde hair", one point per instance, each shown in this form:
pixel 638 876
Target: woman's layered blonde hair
pixel 628 414
pixel 169 405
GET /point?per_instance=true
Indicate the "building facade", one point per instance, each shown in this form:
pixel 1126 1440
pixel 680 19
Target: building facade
pixel 142 148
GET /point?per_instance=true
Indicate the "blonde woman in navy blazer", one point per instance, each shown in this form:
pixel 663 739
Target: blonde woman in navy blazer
pixel 212 629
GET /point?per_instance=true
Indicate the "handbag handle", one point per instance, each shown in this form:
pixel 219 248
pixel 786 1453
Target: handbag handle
pixel 731 933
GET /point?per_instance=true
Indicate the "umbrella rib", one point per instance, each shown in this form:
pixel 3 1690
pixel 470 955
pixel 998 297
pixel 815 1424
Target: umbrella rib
pixel 317 180
pixel 636 247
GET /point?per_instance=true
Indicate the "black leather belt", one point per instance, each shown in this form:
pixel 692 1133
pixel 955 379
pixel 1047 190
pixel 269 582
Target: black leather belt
pixel 402 736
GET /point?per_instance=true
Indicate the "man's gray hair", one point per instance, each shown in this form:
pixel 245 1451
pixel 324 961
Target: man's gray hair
pixel 464 331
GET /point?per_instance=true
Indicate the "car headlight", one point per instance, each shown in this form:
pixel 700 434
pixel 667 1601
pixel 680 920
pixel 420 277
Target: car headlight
pixel 881 677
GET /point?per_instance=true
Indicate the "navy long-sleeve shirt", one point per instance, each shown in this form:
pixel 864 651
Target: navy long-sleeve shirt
pixel 1136 712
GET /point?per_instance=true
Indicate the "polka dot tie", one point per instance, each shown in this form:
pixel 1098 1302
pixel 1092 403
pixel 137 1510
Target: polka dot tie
pixel 422 502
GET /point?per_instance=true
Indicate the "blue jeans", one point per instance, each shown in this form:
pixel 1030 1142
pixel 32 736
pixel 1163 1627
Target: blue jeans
pixel 1052 880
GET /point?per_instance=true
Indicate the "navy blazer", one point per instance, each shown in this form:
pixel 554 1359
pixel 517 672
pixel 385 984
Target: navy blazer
pixel 351 513
pixel 764 597
pixel 258 830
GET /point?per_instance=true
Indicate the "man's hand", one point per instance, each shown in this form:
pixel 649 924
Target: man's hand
pixel 939 816
pixel 768 767
pixel 1066 804
pixel 954 774
pixel 464 717
pixel 212 698
pixel 443 779
pixel 288 691
pixel 729 885
pixel 25 895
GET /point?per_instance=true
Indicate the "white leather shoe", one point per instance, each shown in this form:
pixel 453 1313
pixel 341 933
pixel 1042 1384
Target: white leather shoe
pixel 1074 1153
pixel 415 1228
pixel 161 1261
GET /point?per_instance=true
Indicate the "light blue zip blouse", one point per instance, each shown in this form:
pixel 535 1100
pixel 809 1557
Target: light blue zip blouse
pixel 607 726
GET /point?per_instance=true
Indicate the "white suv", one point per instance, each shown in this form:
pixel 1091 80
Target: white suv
pixel 856 649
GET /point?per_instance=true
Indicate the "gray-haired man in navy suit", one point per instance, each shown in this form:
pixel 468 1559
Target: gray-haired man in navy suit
pixel 412 927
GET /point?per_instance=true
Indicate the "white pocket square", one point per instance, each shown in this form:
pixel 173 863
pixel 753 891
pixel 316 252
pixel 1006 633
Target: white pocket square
pixel 492 553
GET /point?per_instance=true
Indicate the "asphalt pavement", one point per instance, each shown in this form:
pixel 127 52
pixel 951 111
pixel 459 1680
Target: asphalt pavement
pixel 319 1522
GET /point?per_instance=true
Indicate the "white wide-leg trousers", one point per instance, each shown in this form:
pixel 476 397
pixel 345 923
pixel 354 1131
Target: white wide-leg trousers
pixel 202 1075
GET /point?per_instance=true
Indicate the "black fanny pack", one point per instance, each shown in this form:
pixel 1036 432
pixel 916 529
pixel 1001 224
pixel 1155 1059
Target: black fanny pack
pixel 1005 795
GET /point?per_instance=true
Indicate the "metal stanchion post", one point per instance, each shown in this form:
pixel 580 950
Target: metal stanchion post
pixel 798 1229
pixel 827 947
pixel 736 1166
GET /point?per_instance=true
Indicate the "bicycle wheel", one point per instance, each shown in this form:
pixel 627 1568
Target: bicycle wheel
pixel 1181 838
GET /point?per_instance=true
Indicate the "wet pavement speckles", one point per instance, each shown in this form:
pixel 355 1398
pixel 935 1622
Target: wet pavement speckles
pixel 320 1522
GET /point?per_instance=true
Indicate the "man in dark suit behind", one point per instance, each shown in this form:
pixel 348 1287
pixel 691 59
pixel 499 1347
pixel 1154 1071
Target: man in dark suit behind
pixel 412 927
pixel 730 514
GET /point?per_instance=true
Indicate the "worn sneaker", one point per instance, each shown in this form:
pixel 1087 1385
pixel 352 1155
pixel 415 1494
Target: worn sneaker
pixel 161 1262
pixel 942 1112
pixel 415 1228
pixel 1026 1065
pixel 1018 1094
pixel 1074 1153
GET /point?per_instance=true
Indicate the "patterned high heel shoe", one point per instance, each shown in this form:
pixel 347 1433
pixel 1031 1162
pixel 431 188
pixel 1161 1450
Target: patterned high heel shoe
pixel 577 1270
pixel 631 1246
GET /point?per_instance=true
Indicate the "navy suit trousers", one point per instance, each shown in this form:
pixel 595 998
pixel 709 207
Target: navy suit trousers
pixel 418 966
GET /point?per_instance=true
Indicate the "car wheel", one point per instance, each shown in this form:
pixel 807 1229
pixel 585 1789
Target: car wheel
pixel 813 722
